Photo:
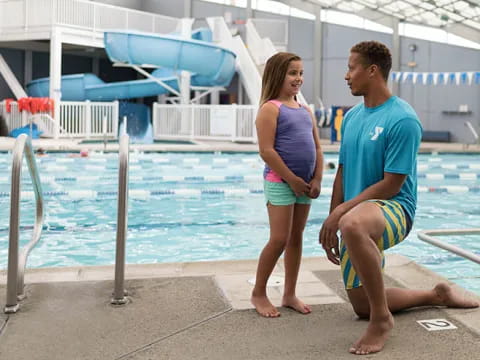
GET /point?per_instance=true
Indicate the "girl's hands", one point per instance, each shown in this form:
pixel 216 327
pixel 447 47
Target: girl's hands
pixel 314 189
pixel 299 186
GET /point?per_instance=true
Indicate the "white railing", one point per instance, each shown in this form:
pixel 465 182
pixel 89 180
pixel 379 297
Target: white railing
pixel 89 119
pixel 14 118
pixel 22 15
pixel 77 119
pixel 204 122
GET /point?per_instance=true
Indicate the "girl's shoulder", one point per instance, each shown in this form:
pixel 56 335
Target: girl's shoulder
pixel 276 103
pixel 271 106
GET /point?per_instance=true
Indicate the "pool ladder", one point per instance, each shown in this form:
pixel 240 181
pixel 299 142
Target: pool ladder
pixel 16 261
pixel 119 291
pixel 429 237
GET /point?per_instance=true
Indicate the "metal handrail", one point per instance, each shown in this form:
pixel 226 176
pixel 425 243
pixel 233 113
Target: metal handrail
pixel 16 262
pixel 470 127
pixel 427 236
pixel 122 222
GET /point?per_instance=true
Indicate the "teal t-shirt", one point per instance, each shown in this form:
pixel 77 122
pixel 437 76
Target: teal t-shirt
pixel 381 139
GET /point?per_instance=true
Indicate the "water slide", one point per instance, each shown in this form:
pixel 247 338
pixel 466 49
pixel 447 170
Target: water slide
pixel 210 64
pixel 81 87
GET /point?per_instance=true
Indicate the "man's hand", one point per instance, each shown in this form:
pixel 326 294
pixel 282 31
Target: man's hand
pixel 314 189
pixel 299 186
pixel 329 239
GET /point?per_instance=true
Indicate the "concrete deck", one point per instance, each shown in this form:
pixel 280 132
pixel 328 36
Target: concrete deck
pixel 201 311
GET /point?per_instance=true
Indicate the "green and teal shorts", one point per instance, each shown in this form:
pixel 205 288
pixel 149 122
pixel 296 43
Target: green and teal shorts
pixel 281 194
pixel 397 227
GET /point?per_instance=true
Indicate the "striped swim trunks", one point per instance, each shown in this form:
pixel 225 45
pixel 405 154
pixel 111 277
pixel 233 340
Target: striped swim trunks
pixel 397 227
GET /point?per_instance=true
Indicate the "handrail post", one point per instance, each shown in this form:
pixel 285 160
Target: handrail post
pixel 122 223
pixel 16 261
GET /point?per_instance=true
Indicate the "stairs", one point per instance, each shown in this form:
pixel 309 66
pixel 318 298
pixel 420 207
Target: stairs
pixel 11 80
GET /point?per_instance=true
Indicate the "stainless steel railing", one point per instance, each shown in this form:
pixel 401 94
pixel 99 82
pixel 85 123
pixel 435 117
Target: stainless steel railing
pixel 122 222
pixel 16 262
pixel 470 127
pixel 429 237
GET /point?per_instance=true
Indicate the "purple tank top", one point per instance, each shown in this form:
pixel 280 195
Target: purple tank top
pixel 294 141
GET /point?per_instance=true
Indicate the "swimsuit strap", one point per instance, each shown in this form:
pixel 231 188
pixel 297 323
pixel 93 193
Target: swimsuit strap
pixel 275 102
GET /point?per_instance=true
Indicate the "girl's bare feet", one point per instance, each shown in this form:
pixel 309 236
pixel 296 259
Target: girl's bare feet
pixel 264 307
pixel 296 304
pixel 374 338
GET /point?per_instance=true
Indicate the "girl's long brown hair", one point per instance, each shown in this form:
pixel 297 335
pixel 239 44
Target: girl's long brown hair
pixel 274 75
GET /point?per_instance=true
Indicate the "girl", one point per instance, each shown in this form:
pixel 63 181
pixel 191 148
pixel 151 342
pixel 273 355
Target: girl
pixel 290 146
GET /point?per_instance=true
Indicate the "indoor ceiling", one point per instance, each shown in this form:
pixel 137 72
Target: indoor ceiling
pixel 461 17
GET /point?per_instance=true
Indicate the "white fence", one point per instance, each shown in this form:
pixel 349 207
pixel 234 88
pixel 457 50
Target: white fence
pixel 89 119
pixel 14 118
pixel 77 119
pixel 81 14
pixel 204 122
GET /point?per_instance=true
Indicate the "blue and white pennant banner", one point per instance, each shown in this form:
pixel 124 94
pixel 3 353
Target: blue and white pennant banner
pixel 437 78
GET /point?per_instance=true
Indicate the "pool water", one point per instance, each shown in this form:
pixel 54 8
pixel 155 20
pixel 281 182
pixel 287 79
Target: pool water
pixel 196 207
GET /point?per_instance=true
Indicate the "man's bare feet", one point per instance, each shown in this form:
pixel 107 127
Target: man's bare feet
pixel 450 298
pixel 374 338
pixel 264 307
pixel 296 304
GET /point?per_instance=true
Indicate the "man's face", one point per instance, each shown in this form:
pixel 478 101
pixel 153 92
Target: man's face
pixel 358 75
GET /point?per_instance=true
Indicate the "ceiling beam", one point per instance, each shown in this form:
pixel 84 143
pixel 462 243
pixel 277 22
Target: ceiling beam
pixel 464 31
pixel 382 18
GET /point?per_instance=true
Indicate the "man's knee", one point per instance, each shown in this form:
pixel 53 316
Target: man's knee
pixel 359 302
pixel 350 225
pixel 362 311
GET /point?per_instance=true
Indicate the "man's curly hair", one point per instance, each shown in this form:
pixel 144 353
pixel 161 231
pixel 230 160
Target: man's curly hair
pixel 374 52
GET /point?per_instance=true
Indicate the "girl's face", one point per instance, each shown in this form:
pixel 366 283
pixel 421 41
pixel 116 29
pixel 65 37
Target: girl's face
pixel 293 79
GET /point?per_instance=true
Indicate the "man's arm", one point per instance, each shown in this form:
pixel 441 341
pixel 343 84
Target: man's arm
pixel 385 189
pixel 337 192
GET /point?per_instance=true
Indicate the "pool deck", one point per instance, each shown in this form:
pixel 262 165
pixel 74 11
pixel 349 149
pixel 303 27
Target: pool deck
pixel 62 145
pixel 201 311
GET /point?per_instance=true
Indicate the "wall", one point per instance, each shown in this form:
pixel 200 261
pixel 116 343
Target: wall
pixel 431 102
pixel 337 41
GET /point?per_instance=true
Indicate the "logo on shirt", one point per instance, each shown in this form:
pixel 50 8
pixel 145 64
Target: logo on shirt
pixel 378 131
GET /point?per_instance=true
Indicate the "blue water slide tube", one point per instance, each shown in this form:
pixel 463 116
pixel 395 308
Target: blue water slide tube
pixel 80 87
pixel 208 61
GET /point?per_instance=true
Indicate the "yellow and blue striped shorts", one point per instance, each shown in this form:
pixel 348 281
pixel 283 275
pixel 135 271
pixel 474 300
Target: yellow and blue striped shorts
pixel 397 227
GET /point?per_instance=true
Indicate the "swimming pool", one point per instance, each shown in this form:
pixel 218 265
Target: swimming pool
pixel 194 207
